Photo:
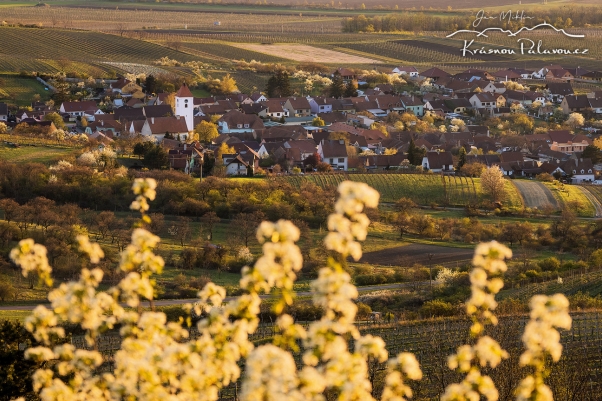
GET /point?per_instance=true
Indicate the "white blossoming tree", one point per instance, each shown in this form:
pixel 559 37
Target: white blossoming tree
pixel 157 360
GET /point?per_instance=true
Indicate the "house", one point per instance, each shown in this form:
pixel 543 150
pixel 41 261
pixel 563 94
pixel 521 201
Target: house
pixel 276 108
pixel 411 72
pixel 334 152
pixel 319 104
pixel 157 127
pixel 258 97
pixel 346 74
pixel 259 109
pixel 125 86
pixel 242 164
pixel 331 118
pixel 487 101
pixel 434 74
pixel 575 104
pixel 578 72
pixel 298 107
pixel 559 75
pixel 438 162
pixel 593 76
pixel 389 103
pixel 596 105
pixel 558 90
pixel 565 142
pixel 79 109
pixel 579 170
pixel 305 148
pixel 413 104
pixel 507 75
pixel 236 122
pixel 382 162
pixel 3 112
pixel 524 73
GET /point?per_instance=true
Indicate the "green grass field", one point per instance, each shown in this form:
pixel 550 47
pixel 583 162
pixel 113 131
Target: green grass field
pixel 27 154
pixel 570 193
pixel 19 315
pixel 423 189
pixel 20 91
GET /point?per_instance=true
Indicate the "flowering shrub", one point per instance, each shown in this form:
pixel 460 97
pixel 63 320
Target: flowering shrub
pixel 157 360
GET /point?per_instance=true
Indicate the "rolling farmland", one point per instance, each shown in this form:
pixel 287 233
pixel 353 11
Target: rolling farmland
pixel 535 194
pixel 424 189
pixel 20 90
pixel 51 50
pixel 227 52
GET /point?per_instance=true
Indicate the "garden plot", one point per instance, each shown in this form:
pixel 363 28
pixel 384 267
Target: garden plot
pixel 305 53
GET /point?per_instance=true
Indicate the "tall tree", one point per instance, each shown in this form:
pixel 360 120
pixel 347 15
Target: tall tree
pixel 350 89
pixel 337 88
pixel 279 85
pixel 56 119
pixel 206 131
pixel 413 154
pixel 228 85
pixel 150 84
pixel 461 158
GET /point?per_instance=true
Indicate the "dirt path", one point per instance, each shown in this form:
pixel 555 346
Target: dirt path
pixel 423 254
pixel 593 200
pixel 536 194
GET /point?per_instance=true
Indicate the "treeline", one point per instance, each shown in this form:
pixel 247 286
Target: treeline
pixel 578 17
pixel 177 193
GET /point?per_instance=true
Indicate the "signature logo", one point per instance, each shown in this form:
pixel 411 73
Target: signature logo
pixel 526 46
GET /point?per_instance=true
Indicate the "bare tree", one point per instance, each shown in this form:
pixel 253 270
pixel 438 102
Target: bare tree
pixel 209 220
pixel 246 224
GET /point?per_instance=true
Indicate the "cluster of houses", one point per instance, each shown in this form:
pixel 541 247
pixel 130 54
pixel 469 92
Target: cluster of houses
pixel 257 127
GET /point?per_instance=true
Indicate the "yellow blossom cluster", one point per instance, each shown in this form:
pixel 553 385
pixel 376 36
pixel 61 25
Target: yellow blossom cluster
pixel 540 339
pixel 489 260
pixel 158 361
pixel 31 258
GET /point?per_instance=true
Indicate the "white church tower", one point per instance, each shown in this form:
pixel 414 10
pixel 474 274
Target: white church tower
pixel 185 106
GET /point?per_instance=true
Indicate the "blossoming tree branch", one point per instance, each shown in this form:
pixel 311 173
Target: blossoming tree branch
pixel 158 361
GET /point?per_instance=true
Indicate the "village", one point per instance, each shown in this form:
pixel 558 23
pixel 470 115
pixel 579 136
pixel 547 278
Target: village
pixel 493 116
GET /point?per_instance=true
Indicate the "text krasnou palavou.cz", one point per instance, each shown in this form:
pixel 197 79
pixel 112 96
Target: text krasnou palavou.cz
pixel 525 47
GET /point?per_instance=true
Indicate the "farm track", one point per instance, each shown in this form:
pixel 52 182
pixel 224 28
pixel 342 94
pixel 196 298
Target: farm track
pixel 408 255
pixel 593 200
pixel 535 194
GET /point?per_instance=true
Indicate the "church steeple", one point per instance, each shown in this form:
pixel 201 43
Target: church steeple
pixel 185 105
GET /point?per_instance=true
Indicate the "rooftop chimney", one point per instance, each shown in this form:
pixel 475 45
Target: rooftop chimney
pixel 152 120
pixel 342 141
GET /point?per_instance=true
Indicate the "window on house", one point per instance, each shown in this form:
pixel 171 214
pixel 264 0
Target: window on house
pixel 246 125
pixel 239 126
pixel 341 160
pixel 582 171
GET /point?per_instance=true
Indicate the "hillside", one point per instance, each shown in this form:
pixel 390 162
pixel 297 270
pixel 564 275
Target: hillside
pixel 423 189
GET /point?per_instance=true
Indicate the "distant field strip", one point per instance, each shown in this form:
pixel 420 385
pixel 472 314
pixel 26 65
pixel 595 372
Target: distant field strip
pixel 305 53
pixel 225 51
pixel 69 46
pixel 424 189
pixel 535 194
pixel 597 205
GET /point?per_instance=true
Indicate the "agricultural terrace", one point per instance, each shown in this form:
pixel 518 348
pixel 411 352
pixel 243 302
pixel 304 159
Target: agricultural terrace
pixel 67 46
pixel 20 90
pixel 423 189
pixel 117 19
pixel 573 197
pixel 305 53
